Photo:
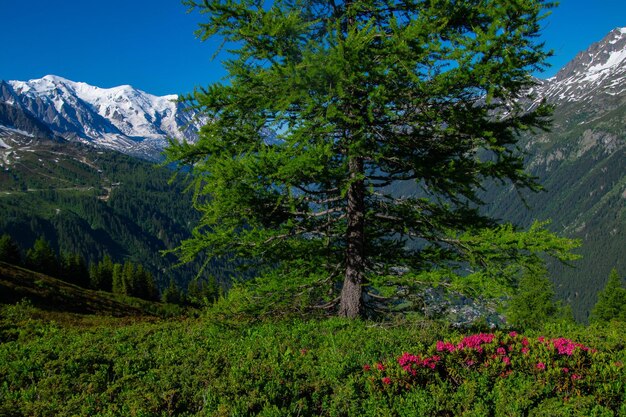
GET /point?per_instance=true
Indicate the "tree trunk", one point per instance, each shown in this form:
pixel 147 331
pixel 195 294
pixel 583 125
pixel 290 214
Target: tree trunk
pixel 351 303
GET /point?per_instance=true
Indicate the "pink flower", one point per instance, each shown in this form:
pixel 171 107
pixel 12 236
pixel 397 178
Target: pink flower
pixel 441 346
pixel 506 360
pixel 406 359
pixel 513 334
pixel 386 380
pixel 524 342
pixel 474 341
pixel 565 370
pixel 380 366
pixel 469 362
pixel 366 367
pixel 541 365
pixel 501 351
pixel 575 377
pixel 564 346
pixel 525 350
pixel 431 362
pixel 408 362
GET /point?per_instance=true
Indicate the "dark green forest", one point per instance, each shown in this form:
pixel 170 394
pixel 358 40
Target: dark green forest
pixel 96 203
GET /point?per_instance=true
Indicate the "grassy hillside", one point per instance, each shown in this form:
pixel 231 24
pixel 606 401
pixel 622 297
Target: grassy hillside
pixel 67 351
pixel 51 297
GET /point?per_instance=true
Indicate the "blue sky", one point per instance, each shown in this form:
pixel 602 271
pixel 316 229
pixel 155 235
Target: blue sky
pixel 151 45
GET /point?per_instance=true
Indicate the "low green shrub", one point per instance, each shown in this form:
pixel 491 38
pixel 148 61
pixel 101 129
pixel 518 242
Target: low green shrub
pixel 203 367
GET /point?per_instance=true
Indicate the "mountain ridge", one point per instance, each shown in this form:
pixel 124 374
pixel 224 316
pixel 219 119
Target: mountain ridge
pixel 597 71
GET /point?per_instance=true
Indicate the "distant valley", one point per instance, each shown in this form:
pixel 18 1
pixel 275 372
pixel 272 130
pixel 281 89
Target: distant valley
pixel 95 202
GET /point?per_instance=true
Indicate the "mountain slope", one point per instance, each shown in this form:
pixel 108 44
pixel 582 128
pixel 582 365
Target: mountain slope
pixel 581 163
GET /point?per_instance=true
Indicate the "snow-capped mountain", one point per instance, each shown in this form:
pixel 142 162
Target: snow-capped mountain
pixel 597 72
pixel 121 118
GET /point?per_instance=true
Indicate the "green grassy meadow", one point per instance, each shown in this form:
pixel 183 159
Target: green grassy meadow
pixel 215 364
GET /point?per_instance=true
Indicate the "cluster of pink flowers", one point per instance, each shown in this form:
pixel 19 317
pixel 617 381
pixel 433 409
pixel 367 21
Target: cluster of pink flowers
pixel 410 362
pixel 566 346
pixel 491 353
pixel 469 342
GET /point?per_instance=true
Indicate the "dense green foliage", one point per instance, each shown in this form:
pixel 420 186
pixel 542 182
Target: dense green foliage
pixel 210 367
pixel 329 104
pixel 133 280
pixel 611 303
pixel 42 258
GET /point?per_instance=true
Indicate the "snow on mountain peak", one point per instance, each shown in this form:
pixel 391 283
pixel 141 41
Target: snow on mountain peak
pixel 600 69
pixel 119 117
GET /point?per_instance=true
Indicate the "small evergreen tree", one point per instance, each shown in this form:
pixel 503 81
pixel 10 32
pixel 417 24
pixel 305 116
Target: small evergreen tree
pixel 9 251
pixel 118 284
pixel 101 274
pixel 143 284
pixel 201 292
pixel 74 269
pixel 128 278
pixel 42 258
pixel 611 303
pixel 133 280
pixel 172 294
pixel 534 303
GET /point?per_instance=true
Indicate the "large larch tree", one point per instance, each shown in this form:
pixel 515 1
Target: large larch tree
pixel 353 136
